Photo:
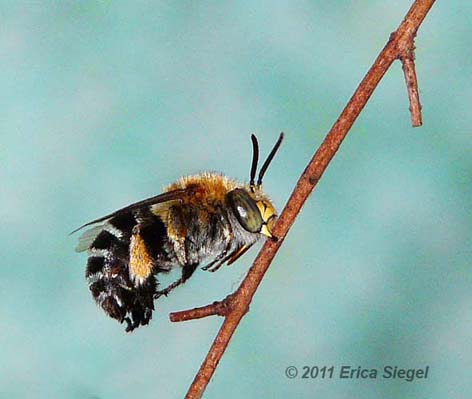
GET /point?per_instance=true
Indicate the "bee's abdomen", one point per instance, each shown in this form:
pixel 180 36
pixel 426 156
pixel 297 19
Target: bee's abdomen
pixel 108 275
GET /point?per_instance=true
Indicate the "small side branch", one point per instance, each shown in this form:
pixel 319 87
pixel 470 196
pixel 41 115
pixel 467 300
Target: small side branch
pixel 407 59
pixel 219 308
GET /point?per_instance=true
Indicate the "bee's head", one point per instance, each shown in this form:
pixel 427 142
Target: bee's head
pixel 254 215
pixel 253 210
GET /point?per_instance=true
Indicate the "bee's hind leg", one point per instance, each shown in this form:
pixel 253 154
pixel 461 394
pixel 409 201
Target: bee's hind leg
pixel 168 289
pixel 130 326
pixel 187 272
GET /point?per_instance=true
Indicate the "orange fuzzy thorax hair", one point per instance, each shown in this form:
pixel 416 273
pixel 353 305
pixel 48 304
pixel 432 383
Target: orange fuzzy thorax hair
pixel 208 187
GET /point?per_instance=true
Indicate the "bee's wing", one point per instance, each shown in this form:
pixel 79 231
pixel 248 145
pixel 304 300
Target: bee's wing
pixel 88 236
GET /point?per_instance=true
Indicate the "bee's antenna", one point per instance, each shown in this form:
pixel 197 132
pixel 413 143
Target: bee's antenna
pixel 255 160
pixel 269 159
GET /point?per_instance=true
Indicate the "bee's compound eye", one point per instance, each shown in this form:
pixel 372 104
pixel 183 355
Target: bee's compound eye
pixel 246 210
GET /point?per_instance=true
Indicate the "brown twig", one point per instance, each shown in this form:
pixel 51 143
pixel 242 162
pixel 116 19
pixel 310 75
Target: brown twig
pixel 220 308
pixel 408 65
pixel 399 43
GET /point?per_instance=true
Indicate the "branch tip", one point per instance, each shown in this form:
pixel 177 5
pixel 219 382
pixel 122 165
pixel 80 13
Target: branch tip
pixel 407 58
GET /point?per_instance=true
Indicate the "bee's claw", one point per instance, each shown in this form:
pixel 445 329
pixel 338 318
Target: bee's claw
pixel 129 325
pixel 158 294
pixel 168 289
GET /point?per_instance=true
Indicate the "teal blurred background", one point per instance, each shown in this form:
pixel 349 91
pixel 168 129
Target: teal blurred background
pixel 105 103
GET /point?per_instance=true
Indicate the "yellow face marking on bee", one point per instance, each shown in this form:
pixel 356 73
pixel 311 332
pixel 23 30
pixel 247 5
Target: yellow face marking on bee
pixel 268 216
pixel 266 209
pixel 140 262
pixel 265 231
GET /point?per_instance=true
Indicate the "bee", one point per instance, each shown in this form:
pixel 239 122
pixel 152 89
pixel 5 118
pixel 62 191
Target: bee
pixel 202 218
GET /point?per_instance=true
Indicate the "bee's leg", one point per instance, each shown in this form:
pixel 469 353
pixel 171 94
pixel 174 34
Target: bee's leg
pixel 221 258
pixel 238 253
pixel 187 272
pixel 217 260
pixel 231 258
pixel 211 267
pixel 130 326
pixel 168 289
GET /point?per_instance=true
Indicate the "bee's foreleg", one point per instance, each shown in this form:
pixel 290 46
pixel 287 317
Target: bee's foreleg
pixel 238 253
pixel 230 258
pixel 210 267
pixel 220 260
pixel 215 264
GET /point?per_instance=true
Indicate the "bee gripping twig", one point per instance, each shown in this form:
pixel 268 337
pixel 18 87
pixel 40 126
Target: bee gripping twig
pixel 400 42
